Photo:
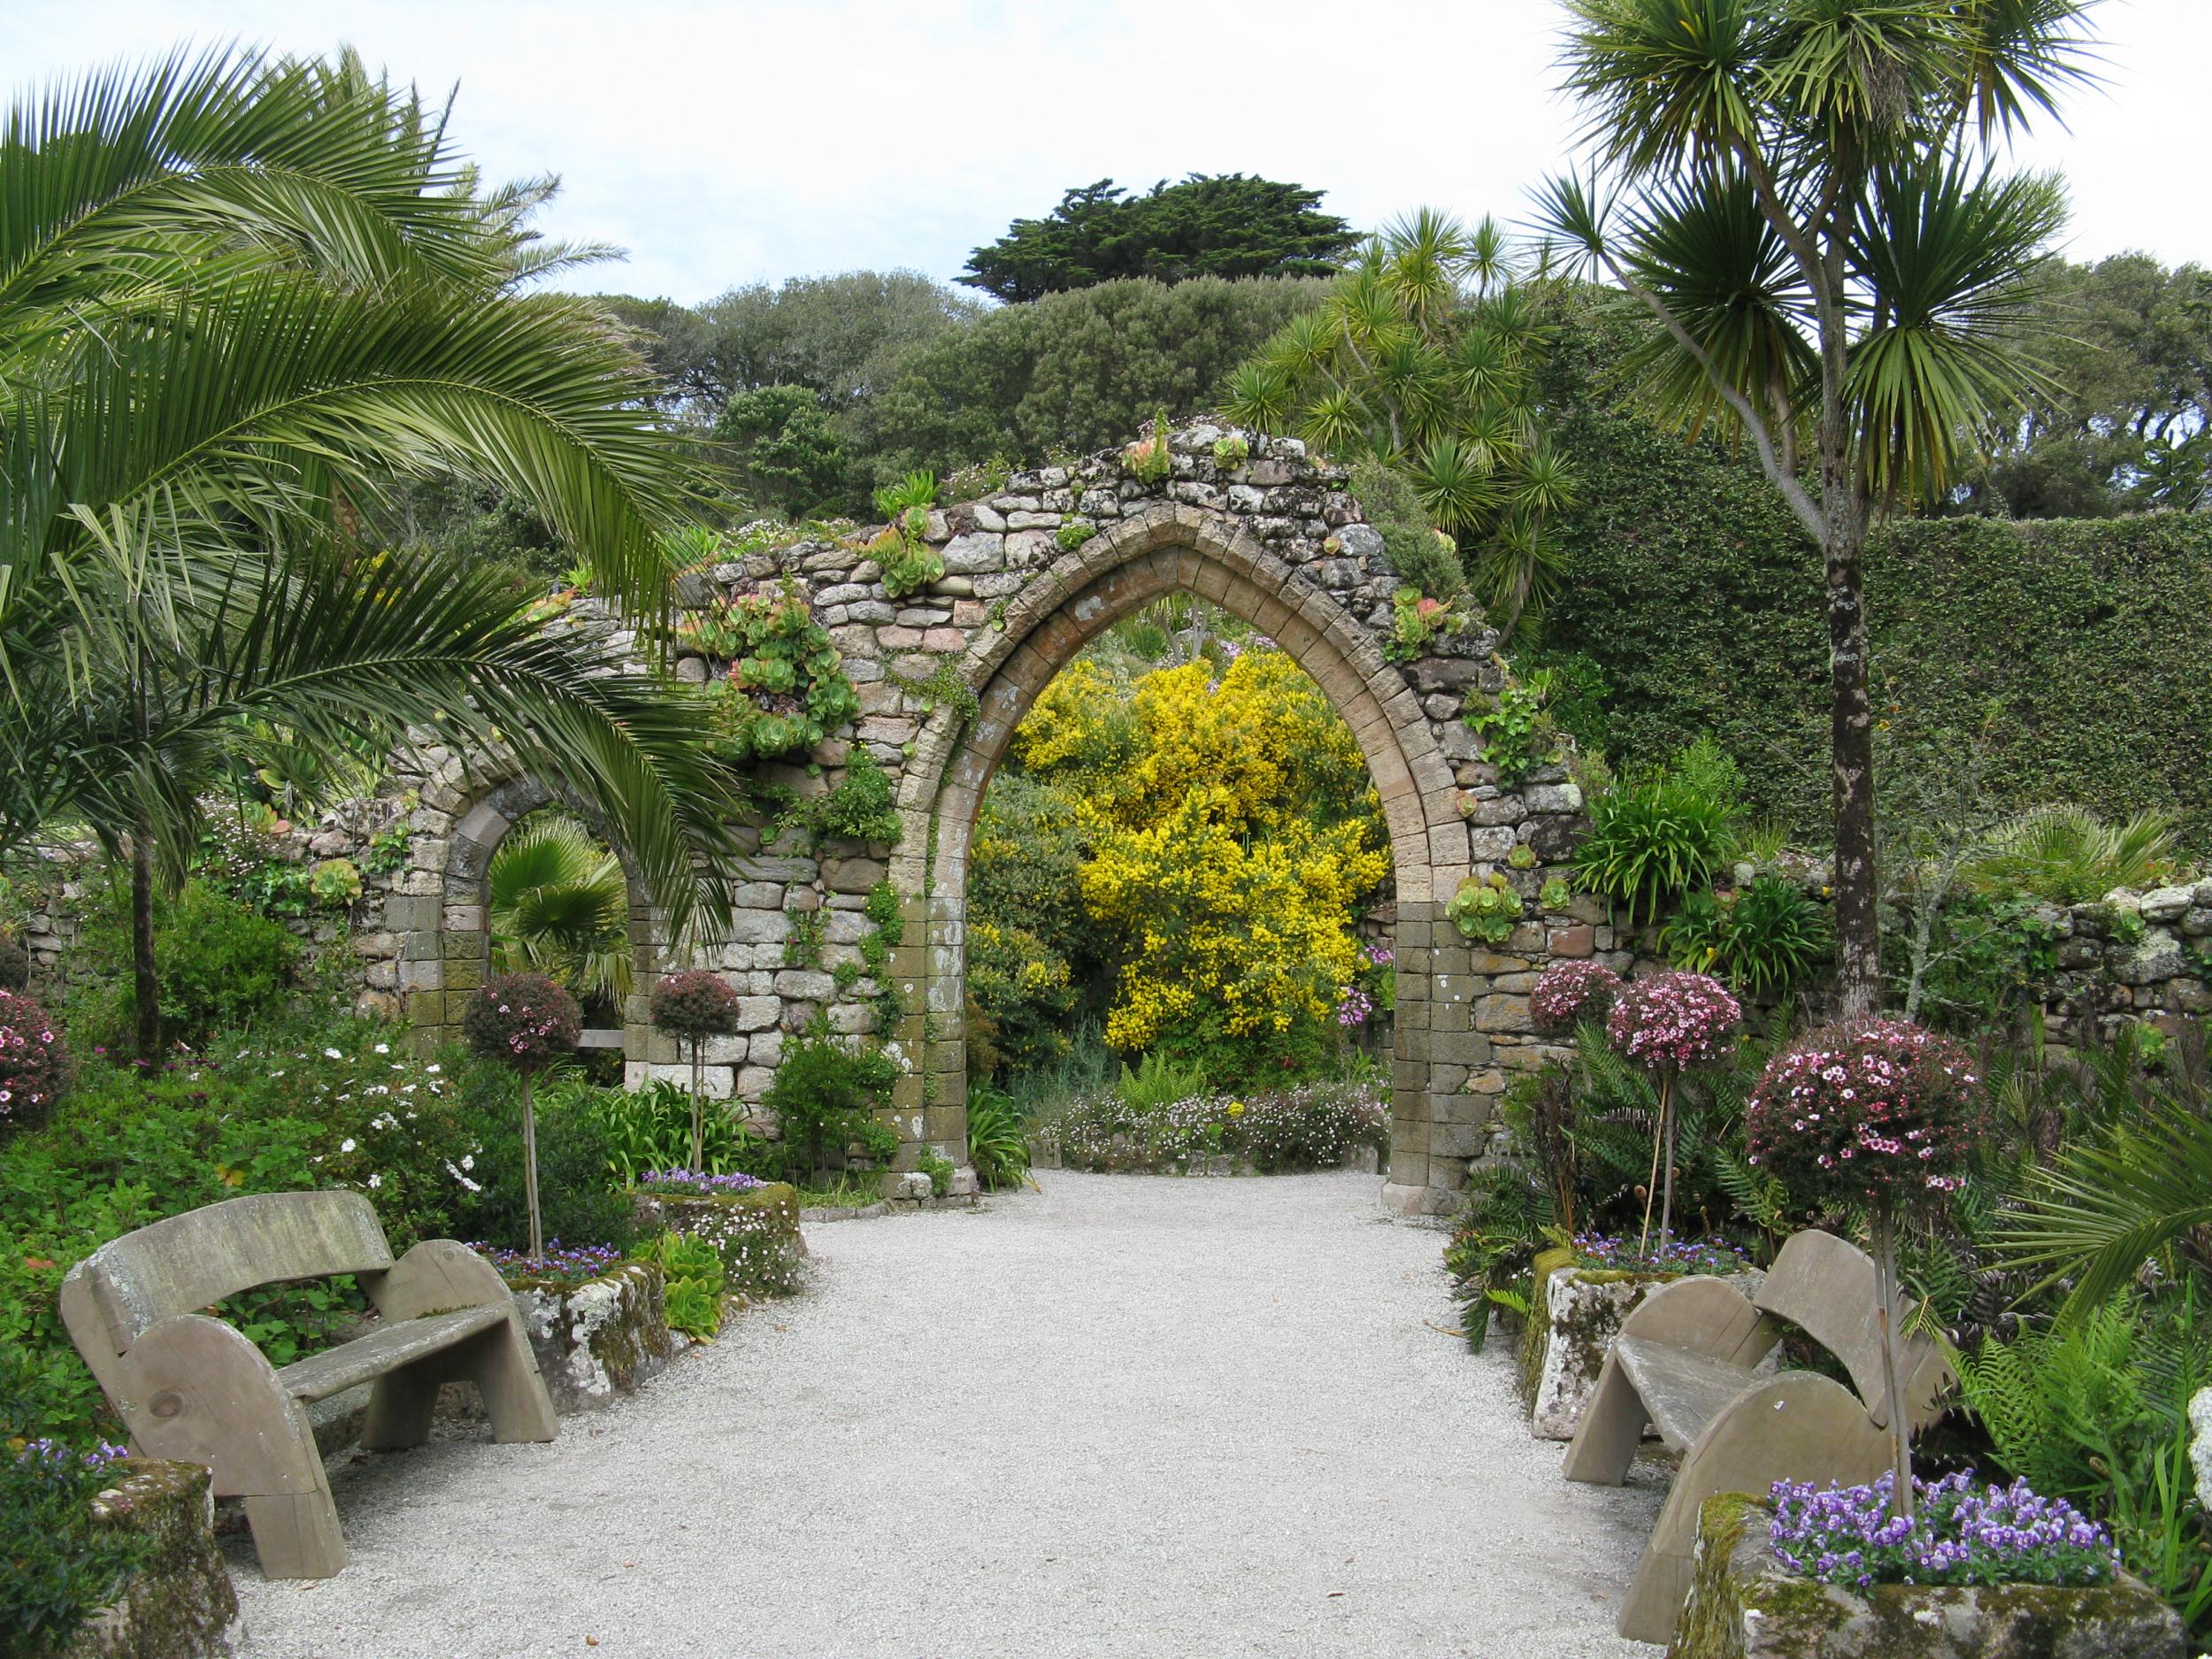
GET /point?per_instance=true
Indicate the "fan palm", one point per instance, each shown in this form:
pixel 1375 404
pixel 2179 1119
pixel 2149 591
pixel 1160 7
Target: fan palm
pixel 238 297
pixel 1798 191
pixel 560 906
pixel 2067 855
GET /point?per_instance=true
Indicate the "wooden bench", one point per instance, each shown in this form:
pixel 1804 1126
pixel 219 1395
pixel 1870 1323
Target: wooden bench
pixel 190 1387
pixel 1684 1363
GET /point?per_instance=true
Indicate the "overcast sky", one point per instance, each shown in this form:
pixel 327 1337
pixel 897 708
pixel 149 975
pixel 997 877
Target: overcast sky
pixel 723 143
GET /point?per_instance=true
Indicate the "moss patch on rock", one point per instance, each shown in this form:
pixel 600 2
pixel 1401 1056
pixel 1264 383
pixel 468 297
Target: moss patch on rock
pixel 178 1603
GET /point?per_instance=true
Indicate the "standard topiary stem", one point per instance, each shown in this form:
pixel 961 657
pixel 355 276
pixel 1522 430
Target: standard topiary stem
pixel 698 1105
pixel 1892 1372
pixel 530 1171
pixel 1666 1122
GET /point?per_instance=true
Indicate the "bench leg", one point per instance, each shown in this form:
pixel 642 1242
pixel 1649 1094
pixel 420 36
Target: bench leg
pixel 401 1403
pixel 1605 1440
pixel 296 1534
pixel 506 1375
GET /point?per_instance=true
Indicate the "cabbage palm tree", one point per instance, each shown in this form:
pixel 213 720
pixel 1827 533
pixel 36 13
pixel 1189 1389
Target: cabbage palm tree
pixel 1801 192
pixel 1423 357
pixel 238 297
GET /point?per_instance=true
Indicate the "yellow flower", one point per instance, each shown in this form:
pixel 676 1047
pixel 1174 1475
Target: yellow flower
pixel 1236 1108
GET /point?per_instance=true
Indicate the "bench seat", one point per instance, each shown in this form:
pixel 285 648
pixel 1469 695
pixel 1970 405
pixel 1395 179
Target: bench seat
pixel 387 1349
pixel 1682 1392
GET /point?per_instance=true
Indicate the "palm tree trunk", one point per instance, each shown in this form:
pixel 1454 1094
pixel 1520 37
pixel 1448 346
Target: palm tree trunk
pixel 1850 708
pixel 145 980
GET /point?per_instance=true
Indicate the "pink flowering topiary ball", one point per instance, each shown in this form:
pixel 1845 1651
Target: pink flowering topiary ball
pixel 524 1019
pixel 1673 1021
pixel 1567 992
pixel 1877 1109
pixel 34 1061
pixel 694 1003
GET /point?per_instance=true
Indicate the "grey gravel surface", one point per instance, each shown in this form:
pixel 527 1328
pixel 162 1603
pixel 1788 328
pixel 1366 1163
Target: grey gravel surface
pixel 1127 1416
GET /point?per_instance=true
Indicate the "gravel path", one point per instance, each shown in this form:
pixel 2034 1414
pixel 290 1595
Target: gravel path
pixel 1128 1416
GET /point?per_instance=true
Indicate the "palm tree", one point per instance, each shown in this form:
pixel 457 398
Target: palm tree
pixel 238 297
pixel 1801 193
pixel 1423 357
pixel 560 906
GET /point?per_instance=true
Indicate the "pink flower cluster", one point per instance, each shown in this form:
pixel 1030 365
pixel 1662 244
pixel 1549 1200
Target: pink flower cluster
pixel 523 1018
pixel 1567 992
pixel 34 1061
pixel 694 1004
pixel 1875 1108
pixel 1671 1021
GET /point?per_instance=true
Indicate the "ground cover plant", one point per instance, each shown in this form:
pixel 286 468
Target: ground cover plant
pixel 1314 1126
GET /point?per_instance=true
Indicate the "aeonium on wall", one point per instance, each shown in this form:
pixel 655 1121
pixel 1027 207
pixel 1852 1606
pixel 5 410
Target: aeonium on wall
pixel 526 1021
pixel 1879 1113
pixel 1667 1024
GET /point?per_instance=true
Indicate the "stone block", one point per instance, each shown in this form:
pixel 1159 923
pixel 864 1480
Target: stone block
pixel 178 1602
pixel 597 1340
pixel 1583 1308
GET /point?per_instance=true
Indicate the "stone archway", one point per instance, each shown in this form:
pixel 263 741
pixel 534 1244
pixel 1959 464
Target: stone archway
pixel 1164 548
pixel 461 940
pixel 942 672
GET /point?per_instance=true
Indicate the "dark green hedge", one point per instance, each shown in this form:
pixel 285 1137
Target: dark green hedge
pixel 1692 604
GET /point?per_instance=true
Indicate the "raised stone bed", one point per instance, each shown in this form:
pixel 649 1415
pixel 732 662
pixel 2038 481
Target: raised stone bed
pixel 598 1340
pixel 1744 1604
pixel 1578 1313
pixel 756 1234
pixel 178 1603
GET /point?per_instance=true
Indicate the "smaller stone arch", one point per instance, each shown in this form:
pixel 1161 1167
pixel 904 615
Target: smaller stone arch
pixel 453 959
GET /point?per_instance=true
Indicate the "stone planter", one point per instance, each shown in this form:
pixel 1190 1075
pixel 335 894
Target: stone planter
pixel 1578 1312
pixel 756 1234
pixel 178 1603
pixel 1743 1605
pixel 600 1339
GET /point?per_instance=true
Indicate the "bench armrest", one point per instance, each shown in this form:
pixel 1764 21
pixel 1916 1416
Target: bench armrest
pixel 1706 1317
pixel 195 1389
pixel 436 1275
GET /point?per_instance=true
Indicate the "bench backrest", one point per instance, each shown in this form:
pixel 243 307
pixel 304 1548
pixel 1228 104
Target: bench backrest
pixel 192 1261
pixel 1825 1286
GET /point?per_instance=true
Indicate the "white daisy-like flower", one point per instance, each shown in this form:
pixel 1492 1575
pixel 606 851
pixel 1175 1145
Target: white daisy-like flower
pixel 383 1048
pixel 334 1054
pixel 346 1145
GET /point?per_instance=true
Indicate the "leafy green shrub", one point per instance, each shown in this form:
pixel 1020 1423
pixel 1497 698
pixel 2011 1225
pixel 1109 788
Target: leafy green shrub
pixel 998 1147
pixel 1424 555
pixel 1517 735
pixel 1651 841
pixel 1485 908
pixel 2067 855
pixel 860 807
pixel 826 1098
pixel 219 964
pixel 693 1278
pixel 1767 937
pixel 579 1199
pixel 63 1565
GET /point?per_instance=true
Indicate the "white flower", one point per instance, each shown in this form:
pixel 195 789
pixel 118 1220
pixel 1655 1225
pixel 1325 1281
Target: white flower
pixel 333 1054
pixel 383 1048
pixel 346 1145
pixel 434 1070
pixel 468 1160
pixel 376 1180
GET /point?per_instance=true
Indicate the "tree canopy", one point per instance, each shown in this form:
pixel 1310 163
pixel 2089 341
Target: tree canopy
pixel 2125 423
pixel 1223 225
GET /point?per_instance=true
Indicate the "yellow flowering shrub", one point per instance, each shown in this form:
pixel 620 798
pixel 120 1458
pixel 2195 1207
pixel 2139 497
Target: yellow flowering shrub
pixel 1228 832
